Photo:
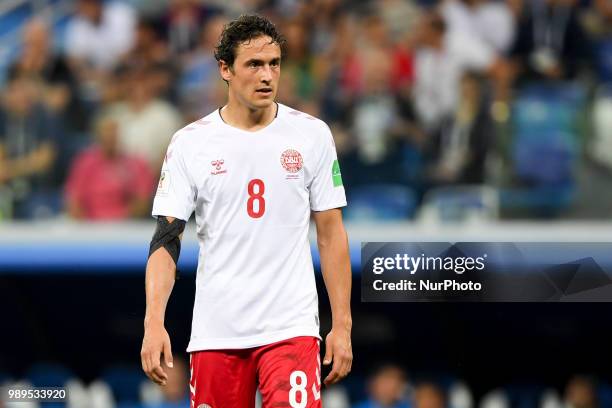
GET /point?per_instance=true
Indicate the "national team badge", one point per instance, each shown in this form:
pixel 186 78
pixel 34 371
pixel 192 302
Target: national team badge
pixel 292 160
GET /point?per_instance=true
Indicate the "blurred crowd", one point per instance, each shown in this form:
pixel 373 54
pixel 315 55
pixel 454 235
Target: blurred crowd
pixel 387 386
pixel 418 93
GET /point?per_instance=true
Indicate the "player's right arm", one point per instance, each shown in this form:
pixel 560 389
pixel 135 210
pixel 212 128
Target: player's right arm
pixel 173 205
pixel 159 281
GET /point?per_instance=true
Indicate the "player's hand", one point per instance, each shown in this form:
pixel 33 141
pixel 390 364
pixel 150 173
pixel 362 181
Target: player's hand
pixel 338 350
pixel 156 343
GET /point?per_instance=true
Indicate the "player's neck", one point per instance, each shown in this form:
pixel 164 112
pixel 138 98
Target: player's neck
pixel 246 118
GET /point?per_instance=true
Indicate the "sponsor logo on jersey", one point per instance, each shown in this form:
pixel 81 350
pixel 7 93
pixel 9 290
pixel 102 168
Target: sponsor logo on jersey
pixel 292 161
pixel 163 185
pixel 218 167
pixel 204 406
pixel 336 174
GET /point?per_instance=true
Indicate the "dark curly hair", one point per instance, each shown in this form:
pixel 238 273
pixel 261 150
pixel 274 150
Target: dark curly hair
pixel 245 28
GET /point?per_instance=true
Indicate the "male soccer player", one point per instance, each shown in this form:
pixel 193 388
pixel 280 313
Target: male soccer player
pixel 254 171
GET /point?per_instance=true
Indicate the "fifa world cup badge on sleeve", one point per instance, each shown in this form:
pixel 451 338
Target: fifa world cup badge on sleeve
pixel 336 175
pixel 164 183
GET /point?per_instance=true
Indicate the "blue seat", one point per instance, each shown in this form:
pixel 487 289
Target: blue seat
pixel 40 205
pixel 534 115
pixel 545 146
pixel 4 378
pixel 130 405
pixel 524 395
pixel 604 394
pixel 548 108
pixel 124 381
pixel 355 386
pixel 381 202
pixel 538 198
pixel 546 158
pixel 456 203
pixel 570 93
pixel 604 60
pixel 48 375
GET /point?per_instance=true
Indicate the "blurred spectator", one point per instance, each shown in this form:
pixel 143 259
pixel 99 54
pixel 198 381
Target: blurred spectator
pixel 429 395
pixel 491 21
pixel 298 63
pixel 105 183
pixel 322 17
pixel 150 52
pixel 28 135
pixel 580 393
pixel 146 122
pixel 335 396
pixel 175 393
pixel 441 60
pixel 96 38
pixel 201 89
pixel 462 143
pixel 183 22
pixel 330 70
pixel 370 78
pixel 237 7
pixel 387 388
pixel 374 110
pixel 550 44
pixel 377 47
pixel 100 33
pixel 57 83
pixel 400 16
pixel 598 19
pixel 148 49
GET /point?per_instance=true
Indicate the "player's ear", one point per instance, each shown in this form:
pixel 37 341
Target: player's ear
pixel 225 70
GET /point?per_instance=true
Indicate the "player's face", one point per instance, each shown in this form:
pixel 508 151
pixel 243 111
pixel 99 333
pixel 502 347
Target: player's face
pixel 253 79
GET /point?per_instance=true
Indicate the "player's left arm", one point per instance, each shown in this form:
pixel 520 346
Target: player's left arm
pixel 336 267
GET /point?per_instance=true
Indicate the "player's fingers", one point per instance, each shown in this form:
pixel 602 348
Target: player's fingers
pixel 334 375
pixel 143 361
pixel 331 378
pixel 343 371
pixel 155 378
pixel 329 354
pixel 160 375
pixel 155 357
pixel 168 353
pixel 155 369
pixel 148 366
pixel 344 358
pixel 346 369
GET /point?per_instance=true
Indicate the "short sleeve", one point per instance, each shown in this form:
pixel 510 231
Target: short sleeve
pixel 176 193
pixel 472 52
pixel 326 189
pixel 75 46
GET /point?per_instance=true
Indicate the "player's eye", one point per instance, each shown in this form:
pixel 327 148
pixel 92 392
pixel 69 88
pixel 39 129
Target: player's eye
pixel 253 64
pixel 275 63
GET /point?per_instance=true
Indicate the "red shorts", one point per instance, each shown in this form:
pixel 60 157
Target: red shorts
pixel 287 373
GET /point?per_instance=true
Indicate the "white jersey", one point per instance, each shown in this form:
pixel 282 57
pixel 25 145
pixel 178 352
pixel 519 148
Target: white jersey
pixel 252 193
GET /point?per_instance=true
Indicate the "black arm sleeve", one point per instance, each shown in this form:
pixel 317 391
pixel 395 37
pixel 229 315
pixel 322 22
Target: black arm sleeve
pixel 167 235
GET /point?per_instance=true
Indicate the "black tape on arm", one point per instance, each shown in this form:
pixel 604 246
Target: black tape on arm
pixel 167 235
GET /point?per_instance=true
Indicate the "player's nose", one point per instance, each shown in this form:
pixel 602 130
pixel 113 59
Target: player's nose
pixel 266 74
